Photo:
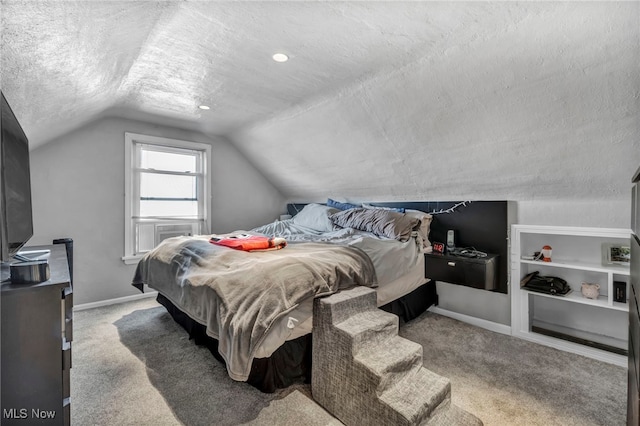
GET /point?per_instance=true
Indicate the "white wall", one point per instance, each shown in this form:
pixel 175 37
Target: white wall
pixel 78 192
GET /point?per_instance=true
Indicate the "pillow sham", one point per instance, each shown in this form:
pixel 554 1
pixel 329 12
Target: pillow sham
pixel 316 217
pixel 384 223
pixel 341 206
pixel 425 225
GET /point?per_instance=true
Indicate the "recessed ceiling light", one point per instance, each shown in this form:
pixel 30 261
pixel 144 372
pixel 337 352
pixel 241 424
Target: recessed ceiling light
pixel 280 57
pixel 205 107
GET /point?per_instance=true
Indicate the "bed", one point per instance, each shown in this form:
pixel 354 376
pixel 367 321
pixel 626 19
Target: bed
pixel 252 309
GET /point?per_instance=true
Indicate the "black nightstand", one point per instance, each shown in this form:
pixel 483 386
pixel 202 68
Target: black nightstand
pixel 477 272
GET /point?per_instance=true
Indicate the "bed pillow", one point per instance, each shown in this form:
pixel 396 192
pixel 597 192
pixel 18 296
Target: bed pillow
pixel 393 209
pixel 384 223
pixel 341 206
pixel 425 226
pixel 316 217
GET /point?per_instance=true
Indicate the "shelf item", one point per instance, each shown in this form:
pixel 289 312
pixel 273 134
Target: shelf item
pixel 577 258
pixel 468 271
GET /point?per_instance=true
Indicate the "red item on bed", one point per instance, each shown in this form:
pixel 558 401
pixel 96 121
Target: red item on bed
pixel 247 242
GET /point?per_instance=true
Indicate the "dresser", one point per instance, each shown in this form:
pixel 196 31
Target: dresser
pixel 37 324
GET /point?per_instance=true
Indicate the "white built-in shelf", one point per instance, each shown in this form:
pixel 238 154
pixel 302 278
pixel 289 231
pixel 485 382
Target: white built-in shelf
pixel 577 253
pixel 576 297
pixel 583 266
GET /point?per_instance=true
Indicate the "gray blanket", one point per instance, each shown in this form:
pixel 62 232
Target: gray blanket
pixel 239 295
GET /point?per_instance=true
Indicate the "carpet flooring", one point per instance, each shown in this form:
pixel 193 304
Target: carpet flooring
pixel 133 365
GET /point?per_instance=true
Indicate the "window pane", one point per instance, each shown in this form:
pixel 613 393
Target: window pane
pixel 168 208
pixel 170 161
pixel 154 185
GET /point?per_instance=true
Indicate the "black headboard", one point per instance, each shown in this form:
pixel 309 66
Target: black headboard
pixel 481 224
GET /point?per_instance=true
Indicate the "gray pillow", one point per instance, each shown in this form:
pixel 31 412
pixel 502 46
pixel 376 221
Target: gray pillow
pixel 316 217
pixel 384 223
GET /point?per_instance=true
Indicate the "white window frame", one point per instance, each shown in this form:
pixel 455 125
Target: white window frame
pixel 131 184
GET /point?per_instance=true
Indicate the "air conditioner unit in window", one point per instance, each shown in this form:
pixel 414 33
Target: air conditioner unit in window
pixel 168 231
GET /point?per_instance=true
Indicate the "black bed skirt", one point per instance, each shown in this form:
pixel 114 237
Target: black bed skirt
pixel 291 362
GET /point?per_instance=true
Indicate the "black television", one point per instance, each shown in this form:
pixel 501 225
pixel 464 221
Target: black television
pixel 16 219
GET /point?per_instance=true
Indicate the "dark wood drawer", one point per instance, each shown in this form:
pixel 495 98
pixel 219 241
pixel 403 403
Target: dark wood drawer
pixel 634 334
pixel 67 309
pixel 471 272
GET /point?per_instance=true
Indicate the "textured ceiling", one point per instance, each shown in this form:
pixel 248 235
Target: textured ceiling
pixel 459 100
pixel 65 63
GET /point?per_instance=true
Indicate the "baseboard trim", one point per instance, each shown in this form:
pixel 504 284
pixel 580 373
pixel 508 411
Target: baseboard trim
pixel 91 305
pixel 478 322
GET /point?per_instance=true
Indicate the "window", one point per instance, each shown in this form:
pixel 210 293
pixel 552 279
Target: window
pixel 167 188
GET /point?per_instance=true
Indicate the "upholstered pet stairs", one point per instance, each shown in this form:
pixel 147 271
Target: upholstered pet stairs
pixel 365 374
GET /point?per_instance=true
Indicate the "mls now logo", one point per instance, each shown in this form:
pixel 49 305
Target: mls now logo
pixel 23 413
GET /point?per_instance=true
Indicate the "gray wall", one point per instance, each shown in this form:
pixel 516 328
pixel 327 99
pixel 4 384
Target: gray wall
pixel 78 192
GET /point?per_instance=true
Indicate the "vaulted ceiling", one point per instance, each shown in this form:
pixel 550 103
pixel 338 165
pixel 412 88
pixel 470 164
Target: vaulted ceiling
pixel 478 92
pixel 65 62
